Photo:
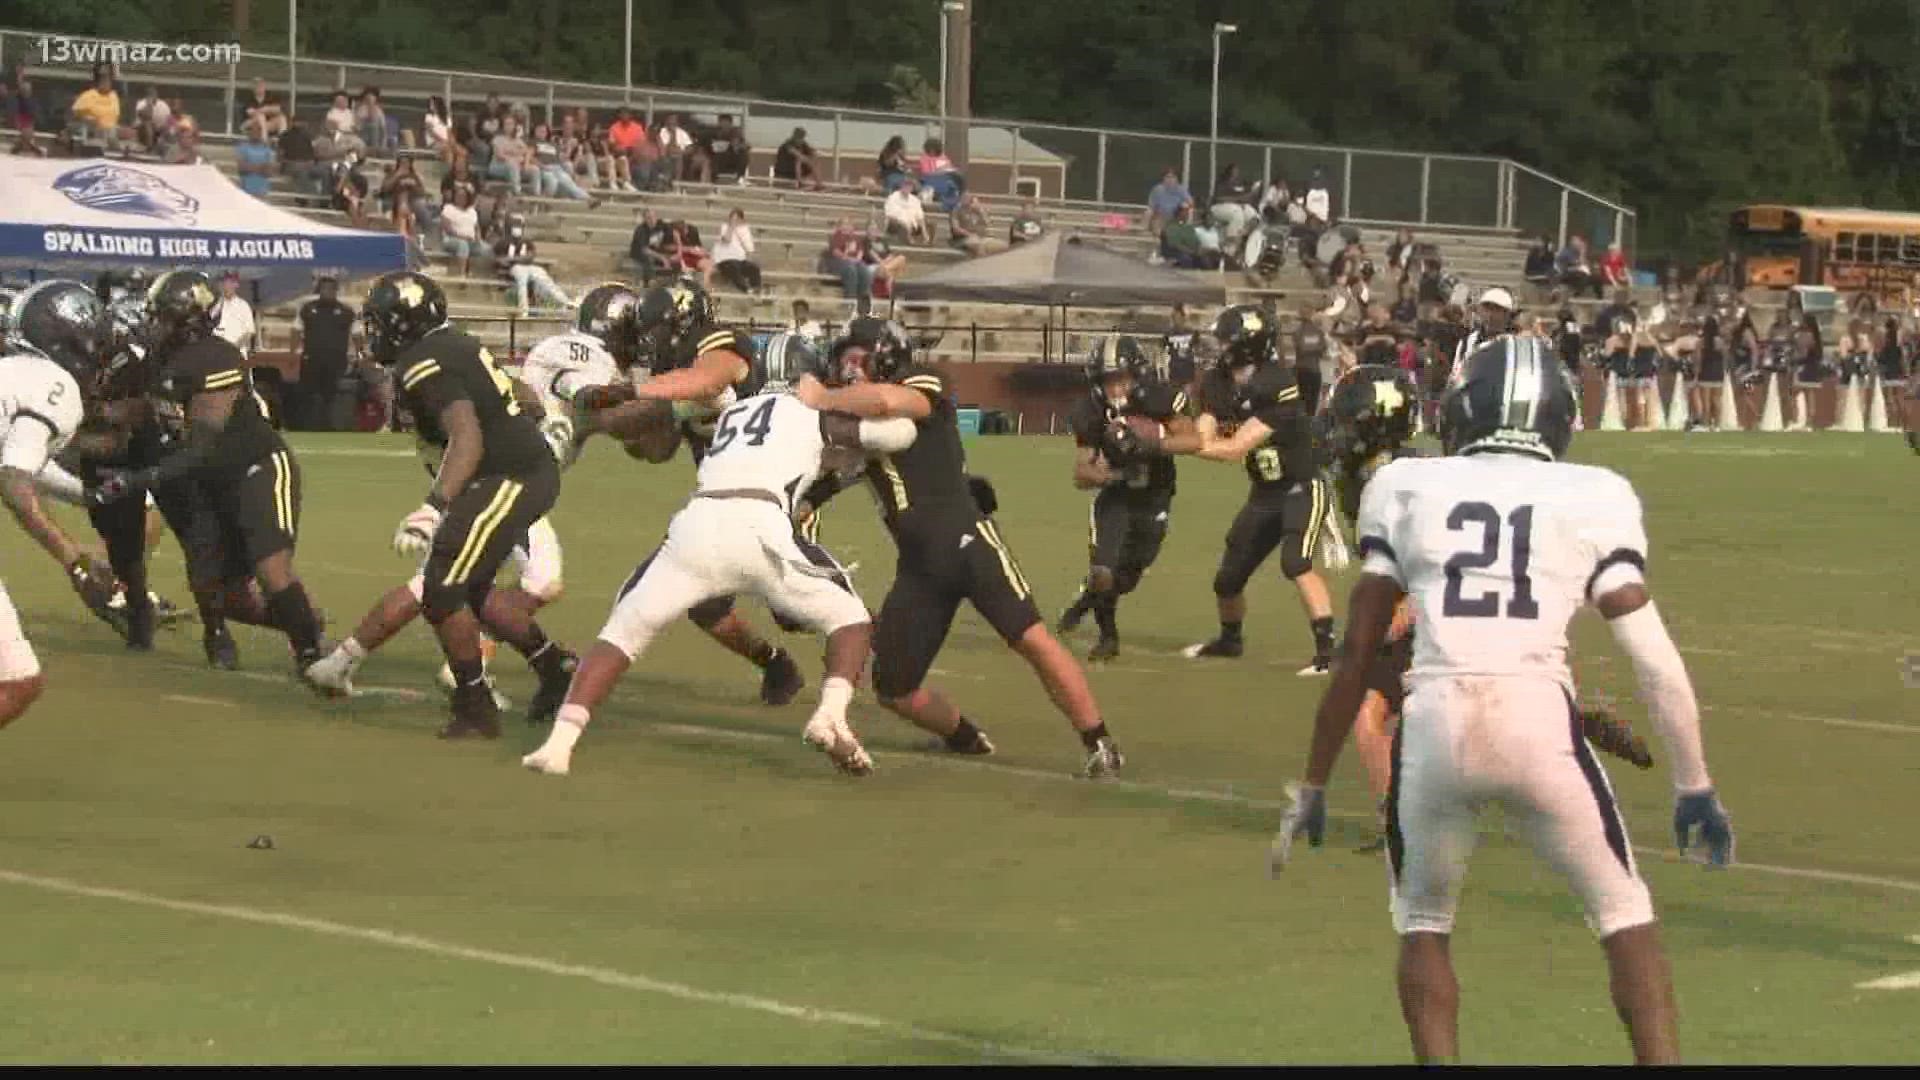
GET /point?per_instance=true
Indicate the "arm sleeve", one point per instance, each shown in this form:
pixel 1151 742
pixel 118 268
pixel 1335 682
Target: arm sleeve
pixel 29 443
pixel 48 416
pixel 888 436
pixel 1666 692
pixel 1379 507
pixel 60 485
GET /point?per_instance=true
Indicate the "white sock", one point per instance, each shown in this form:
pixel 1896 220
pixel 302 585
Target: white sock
pixel 836 694
pixel 567 725
pixel 353 651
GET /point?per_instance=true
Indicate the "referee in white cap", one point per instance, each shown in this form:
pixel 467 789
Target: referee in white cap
pixel 1495 310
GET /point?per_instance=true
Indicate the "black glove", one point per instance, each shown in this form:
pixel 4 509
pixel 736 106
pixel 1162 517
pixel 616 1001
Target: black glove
pixel 983 494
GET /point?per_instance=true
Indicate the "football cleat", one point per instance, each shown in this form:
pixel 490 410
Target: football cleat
pixel 1070 620
pixel 1218 647
pixel 138 630
pixel 222 651
pixel 1321 664
pixel 780 679
pixel 981 746
pixel 1105 761
pixel 831 735
pixel 552 761
pixel 1105 649
pixel 553 690
pixel 474 714
pixel 331 675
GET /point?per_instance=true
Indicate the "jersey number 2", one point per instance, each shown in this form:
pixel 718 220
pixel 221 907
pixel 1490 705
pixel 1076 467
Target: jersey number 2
pixel 755 429
pixel 1487 604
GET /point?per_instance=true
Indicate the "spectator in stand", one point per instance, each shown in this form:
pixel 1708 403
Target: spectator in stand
pixel 685 248
pixel 794 162
pixel 323 334
pixel 890 171
pixel 1319 202
pixel 96 111
pixel 552 175
pixel 724 151
pixel 297 160
pixel 1572 267
pixel 406 195
pixel 845 258
pixel 649 247
pixel 512 159
pixel 1613 267
pixel 1400 255
pixel 906 215
pixel 460 227
pixel 515 256
pixel 371 120
pixel 23 111
pixel 887 264
pixel 1165 200
pixel 153 120
pixel 1231 209
pixel 674 143
pixel 477 149
pixel 459 175
pixel 939 178
pixel 1026 225
pixel 253 159
pixel 1181 245
pixel 436 128
pixel 804 324
pixel 971 229
pixel 350 188
pixel 340 116
pixel 1539 267
pixel 267 107
pixel 493 115
pixel 602 162
pixel 733 255
pixel 627 137
pixel 233 319
pixel 186 141
pixel 1274 199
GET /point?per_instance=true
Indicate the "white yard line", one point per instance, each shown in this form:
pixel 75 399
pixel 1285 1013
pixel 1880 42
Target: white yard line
pixel 189 699
pixel 1868 725
pixel 622 980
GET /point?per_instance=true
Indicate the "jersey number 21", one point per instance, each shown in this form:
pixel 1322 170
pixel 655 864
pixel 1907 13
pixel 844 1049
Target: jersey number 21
pixel 1521 604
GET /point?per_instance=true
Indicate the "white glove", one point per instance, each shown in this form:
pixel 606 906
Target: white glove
pixel 1334 551
pixel 558 431
pixel 414 538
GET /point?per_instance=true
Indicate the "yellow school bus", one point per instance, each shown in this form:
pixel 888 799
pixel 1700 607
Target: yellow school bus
pixel 1850 248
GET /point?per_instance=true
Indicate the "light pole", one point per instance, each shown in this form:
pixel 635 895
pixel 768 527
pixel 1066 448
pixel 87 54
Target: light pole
pixel 628 99
pixel 1220 30
pixel 948 8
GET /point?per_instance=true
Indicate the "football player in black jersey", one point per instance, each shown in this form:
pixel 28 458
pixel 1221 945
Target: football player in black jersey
pixel 1252 413
pixel 950 548
pixel 497 477
pixel 697 369
pixel 245 478
pixel 1134 478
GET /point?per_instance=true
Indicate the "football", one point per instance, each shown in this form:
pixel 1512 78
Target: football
pixel 653 437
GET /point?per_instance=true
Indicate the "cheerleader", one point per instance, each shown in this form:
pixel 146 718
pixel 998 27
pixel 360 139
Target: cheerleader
pixel 1710 354
pixel 1643 382
pixel 1809 372
pixel 1747 356
pixel 1890 358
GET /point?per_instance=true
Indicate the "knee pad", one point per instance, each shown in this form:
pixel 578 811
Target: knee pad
pixel 708 613
pixel 440 602
pixel 1294 563
pixel 1101 579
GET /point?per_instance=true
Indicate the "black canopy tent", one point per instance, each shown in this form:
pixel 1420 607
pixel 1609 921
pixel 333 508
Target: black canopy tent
pixel 1061 271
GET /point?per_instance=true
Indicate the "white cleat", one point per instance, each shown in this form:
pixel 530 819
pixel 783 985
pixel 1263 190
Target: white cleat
pixel 500 700
pixel 831 735
pixel 551 761
pixel 331 674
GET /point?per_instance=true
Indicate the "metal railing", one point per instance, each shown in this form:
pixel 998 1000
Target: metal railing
pixel 1094 166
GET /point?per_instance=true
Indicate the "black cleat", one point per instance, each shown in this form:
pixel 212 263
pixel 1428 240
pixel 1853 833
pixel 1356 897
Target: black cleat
pixel 222 651
pixel 1070 620
pixel 475 716
pixel 139 629
pixel 780 679
pixel 1105 649
pixel 981 746
pixel 1321 664
pixel 1218 647
pixel 553 690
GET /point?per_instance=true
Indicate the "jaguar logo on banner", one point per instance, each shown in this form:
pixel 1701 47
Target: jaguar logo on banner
pixel 118 189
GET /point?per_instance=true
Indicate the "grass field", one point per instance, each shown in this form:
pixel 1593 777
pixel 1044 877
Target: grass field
pixel 704 888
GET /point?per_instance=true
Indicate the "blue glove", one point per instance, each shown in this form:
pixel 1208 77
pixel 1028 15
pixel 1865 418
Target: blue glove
pixel 1700 819
pixel 1306 813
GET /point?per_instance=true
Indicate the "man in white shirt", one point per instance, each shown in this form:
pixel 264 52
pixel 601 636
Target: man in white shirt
pixel 907 215
pixel 1319 202
pixel 235 316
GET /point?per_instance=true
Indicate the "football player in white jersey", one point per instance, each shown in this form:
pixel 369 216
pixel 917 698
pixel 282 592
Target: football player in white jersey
pixel 736 534
pixel 556 369
pixel 1497 547
pixel 56 329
